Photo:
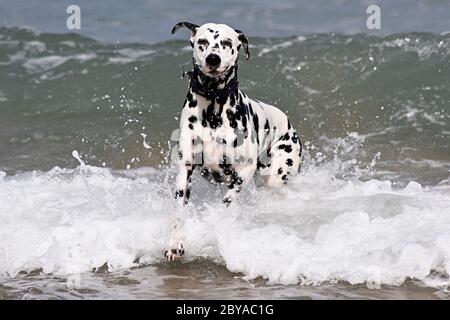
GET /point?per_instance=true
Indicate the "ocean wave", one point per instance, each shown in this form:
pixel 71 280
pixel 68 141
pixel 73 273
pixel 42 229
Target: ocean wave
pixel 317 229
pixel 36 65
pixel 393 90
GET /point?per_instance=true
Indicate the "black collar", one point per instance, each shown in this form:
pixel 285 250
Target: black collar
pixel 209 89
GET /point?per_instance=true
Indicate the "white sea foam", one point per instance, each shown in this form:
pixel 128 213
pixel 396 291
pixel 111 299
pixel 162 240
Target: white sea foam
pixel 42 64
pixel 128 55
pixel 3 97
pixel 317 229
pixel 281 45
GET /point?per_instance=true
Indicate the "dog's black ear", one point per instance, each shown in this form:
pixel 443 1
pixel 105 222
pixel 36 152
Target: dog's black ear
pixel 243 39
pixel 190 26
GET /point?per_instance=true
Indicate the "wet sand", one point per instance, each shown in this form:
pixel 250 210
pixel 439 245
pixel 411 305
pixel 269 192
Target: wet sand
pixel 193 280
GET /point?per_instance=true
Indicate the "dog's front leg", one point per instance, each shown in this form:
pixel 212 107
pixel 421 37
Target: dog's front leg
pixel 175 248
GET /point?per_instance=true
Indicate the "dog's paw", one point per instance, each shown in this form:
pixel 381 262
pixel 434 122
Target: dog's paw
pixel 226 201
pixel 174 252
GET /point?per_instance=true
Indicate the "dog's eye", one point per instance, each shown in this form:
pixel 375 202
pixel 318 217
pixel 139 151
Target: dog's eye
pixel 203 42
pixel 226 43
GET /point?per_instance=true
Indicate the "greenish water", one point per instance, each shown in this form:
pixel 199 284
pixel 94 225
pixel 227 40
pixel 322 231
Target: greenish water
pixel 63 92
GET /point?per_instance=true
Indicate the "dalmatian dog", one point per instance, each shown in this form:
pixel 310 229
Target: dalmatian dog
pixel 225 134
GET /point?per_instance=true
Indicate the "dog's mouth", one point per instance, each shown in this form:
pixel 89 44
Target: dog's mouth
pixel 213 71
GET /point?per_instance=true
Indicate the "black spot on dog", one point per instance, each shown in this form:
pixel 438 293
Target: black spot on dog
pixel 212 117
pixel 289 162
pixel 179 194
pixel 216 36
pixel 284 178
pixel 191 126
pixel 191 100
pixel 231 118
pixel 250 109
pixel 241 114
pixel 188 193
pixel 193 104
pixel 192 119
pixel 256 125
pixel 294 137
pixel 284 137
pixel 236 180
pixel 267 126
pixel 232 51
pixel 260 165
pixel 287 148
pixel 217 176
pixel 280 171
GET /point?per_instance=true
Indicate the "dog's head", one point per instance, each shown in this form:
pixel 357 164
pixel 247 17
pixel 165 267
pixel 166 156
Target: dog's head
pixel 216 46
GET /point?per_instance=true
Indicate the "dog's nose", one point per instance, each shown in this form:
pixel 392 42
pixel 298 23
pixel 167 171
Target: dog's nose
pixel 213 60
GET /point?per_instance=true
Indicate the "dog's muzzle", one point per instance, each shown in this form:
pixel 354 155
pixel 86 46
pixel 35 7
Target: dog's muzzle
pixel 213 61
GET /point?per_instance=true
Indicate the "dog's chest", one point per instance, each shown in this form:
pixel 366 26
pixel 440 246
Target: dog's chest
pixel 224 134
